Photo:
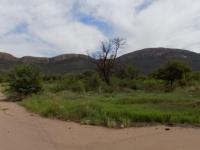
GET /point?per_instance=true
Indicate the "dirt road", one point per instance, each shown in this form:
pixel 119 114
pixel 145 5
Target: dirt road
pixel 20 130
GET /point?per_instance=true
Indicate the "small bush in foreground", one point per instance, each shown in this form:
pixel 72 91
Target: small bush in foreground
pixel 24 80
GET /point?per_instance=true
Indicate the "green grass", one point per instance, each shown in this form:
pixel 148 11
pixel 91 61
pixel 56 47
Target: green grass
pixel 118 109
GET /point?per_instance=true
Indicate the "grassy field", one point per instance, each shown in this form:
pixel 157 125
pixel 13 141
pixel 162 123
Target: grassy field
pixel 119 109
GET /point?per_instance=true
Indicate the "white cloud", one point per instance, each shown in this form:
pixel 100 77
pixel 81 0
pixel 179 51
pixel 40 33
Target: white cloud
pixel 52 27
pixel 162 23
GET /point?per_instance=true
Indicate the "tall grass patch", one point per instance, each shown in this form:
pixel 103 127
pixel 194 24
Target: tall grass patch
pixel 118 110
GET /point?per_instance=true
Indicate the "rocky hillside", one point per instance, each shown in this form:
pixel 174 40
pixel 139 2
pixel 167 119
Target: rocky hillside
pixel 67 63
pixel 7 57
pixel 150 59
pixel 7 61
pixel 147 60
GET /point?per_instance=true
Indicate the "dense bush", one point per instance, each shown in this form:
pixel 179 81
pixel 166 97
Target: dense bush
pixel 3 77
pixel 69 82
pixel 172 71
pixel 87 82
pixel 24 80
pixel 127 72
pixel 125 79
pixel 51 78
pixel 93 83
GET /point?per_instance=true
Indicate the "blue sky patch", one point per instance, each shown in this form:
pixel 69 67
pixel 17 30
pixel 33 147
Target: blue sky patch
pixel 101 25
pixel 144 5
pixel 21 28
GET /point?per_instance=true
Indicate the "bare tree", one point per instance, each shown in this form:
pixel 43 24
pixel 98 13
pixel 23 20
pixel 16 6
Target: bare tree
pixel 105 58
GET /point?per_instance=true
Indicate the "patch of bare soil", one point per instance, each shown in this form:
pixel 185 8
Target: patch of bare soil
pixel 20 130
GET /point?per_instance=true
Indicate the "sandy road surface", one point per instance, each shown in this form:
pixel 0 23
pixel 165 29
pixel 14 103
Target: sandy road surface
pixel 20 130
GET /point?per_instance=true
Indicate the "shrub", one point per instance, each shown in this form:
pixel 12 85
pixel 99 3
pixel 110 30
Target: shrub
pixel 24 80
pixel 150 85
pixel 3 77
pixel 60 85
pixel 51 78
pixel 69 82
pixel 127 72
pixel 134 84
pixel 77 86
pixel 93 82
pixel 172 71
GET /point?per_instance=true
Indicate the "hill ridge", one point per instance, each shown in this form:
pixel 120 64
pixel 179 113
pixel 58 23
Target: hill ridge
pixel 147 60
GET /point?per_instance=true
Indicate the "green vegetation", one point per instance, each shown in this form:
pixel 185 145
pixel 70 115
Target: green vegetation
pixel 118 109
pixel 24 80
pixel 128 99
pixel 172 71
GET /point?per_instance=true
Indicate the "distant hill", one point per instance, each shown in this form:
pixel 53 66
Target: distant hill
pixel 68 63
pixel 7 61
pixel 146 60
pixel 7 57
pixel 151 58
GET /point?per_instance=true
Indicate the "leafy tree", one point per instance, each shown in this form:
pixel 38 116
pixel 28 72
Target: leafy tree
pixel 105 58
pixel 24 80
pixel 172 71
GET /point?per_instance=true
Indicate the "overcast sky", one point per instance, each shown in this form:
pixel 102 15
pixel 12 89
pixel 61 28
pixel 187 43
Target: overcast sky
pixel 52 27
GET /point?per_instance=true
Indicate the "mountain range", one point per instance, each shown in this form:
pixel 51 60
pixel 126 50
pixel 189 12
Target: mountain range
pixel 146 60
